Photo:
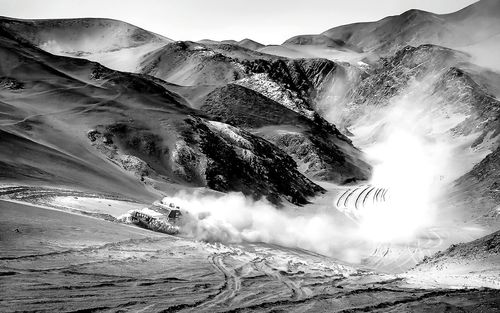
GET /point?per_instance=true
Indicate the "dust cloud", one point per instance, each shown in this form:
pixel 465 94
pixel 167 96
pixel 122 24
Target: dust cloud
pixel 234 218
pixel 415 155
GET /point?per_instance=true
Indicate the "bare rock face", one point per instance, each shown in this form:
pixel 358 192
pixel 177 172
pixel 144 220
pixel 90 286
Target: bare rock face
pixel 10 83
pixel 392 75
pixel 140 133
pixel 322 160
pixel 130 163
pixel 207 154
pixel 302 79
pixel 189 63
pixel 239 161
pixel 296 84
pixel 475 263
pixel 442 75
pixel 477 193
pixel 265 90
pixel 458 89
pixel 319 149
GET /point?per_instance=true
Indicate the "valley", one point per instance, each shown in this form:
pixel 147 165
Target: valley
pixel 356 170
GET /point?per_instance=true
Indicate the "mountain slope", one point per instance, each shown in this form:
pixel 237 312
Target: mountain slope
pixel 113 43
pixel 436 97
pixel 471 25
pixel 189 63
pixel 294 84
pixel 320 150
pixel 250 44
pixel 476 195
pixel 126 126
pixel 472 264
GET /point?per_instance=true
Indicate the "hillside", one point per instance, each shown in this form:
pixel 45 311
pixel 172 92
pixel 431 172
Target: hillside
pixel 356 170
pixel 319 149
pixel 113 43
pixel 107 124
pixel 473 25
pixel 473 263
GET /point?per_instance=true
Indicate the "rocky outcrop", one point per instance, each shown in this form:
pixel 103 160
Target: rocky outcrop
pixel 148 132
pixel 189 63
pixel 10 83
pixel 239 161
pixel 437 73
pixel 206 154
pixel 103 142
pixel 476 195
pixel 296 84
pixel 475 263
pixel 319 149
pixel 458 90
pixel 392 75
pixel 318 158
pixel 243 107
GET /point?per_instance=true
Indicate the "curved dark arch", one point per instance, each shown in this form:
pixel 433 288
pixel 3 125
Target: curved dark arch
pixel 349 195
pixel 359 196
pixel 340 198
pixel 367 194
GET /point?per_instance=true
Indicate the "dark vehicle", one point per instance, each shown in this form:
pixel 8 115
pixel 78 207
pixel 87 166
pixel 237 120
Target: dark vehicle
pixel 165 221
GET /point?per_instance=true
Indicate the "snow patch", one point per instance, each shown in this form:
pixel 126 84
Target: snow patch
pixel 269 88
pixel 230 133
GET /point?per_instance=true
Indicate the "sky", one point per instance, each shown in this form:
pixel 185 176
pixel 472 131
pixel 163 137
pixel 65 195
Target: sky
pixel 266 21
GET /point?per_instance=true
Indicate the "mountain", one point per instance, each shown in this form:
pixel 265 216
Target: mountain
pixel 320 40
pixel 446 99
pixel 245 43
pixel 472 25
pixel 113 43
pixel 190 63
pixel 250 44
pixel 473 263
pixel 476 195
pixel 319 149
pixel 193 70
pixel 377 143
pixel 300 84
pixel 84 120
pixel 268 84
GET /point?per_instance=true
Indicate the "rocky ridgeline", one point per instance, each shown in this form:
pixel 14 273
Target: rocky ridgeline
pixel 477 193
pixel 391 75
pixel 295 84
pixel 457 89
pixel 206 154
pixel 317 146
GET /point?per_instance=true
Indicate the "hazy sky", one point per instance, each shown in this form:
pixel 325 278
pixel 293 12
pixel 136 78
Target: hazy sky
pixel 267 21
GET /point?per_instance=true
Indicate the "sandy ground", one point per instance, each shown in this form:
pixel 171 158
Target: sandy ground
pixel 52 260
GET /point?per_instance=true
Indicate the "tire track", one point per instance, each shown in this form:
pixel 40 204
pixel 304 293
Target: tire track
pixel 297 291
pixel 230 287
